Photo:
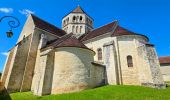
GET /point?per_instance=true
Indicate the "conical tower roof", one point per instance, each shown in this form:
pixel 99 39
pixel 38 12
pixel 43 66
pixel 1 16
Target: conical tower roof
pixel 78 10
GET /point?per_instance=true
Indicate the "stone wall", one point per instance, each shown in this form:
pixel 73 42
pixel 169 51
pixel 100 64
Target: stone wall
pixel 7 65
pixel 30 64
pixel 14 81
pixel 72 70
pixel 40 42
pixel 99 42
pixel 27 29
pixel 149 71
pixel 39 76
pixel 66 69
pixel 98 75
pixel 165 70
pixel 48 75
pixel 126 47
pixel 144 69
pixel 155 67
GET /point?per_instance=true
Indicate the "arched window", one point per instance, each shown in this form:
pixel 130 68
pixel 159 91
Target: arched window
pixel 74 18
pixel 67 20
pixel 91 23
pixel 81 18
pixel 80 29
pixel 99 53
pixel 73 28
pixel 129 61
pixel 76 29
pixel 64 22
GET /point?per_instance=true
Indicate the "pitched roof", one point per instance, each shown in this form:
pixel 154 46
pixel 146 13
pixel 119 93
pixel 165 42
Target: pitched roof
pixel 112 27
pixel 122 31
pixel 78 10
pixel 164 60
pixel 99 31
pixel 39 23
pixel 67 41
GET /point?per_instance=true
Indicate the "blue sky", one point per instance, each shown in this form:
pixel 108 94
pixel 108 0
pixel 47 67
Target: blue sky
pixel 148 17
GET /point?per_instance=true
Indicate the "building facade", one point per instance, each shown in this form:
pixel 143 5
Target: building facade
pixel 165 67
pixel 49 60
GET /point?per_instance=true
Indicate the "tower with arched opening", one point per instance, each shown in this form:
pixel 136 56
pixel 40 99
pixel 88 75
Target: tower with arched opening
pixel 77 22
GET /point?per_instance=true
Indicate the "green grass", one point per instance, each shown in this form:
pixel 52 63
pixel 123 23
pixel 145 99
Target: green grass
pixel 103 93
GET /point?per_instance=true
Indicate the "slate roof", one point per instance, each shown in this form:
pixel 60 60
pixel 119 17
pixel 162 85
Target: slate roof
pixel 164 60
pixel 39 23
pixel 67 41
pixel 112 27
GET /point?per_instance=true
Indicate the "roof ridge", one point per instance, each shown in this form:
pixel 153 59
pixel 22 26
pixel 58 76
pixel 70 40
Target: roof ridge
pixel 44 21
pixel 98 28
pixel 47 26
pixel 104 25
pixel 115 25
pixel 66 37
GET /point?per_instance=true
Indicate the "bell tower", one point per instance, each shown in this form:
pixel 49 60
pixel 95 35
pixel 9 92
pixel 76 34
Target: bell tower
pixel 77 22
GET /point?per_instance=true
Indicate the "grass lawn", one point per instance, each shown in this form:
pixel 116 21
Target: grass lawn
pixel 103 93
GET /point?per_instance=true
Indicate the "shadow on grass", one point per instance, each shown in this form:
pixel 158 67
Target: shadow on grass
pixel 4 95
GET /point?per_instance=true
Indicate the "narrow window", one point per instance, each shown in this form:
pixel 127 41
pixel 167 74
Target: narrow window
pixel 64 22
pixel 80 29
pixel 89 73
pixel 99 53
pixel 129 61
pixel 74 18
pixel 81 18
pixel 77 29
pixel 73 29
pixel 67 20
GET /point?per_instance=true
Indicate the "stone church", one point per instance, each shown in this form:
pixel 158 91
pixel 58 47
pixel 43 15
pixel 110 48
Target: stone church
pixel 50 60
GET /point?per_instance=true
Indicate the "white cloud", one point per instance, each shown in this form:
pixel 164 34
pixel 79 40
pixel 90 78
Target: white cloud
pixel 4 53
pixel 26 12
pixel 6 10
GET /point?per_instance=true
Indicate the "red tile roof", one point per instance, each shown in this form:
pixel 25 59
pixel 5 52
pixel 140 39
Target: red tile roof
pixel 99 31
pixel 164 60
pixel 67 41
pixel 39 23
pixel 122 31
pixel 111 27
